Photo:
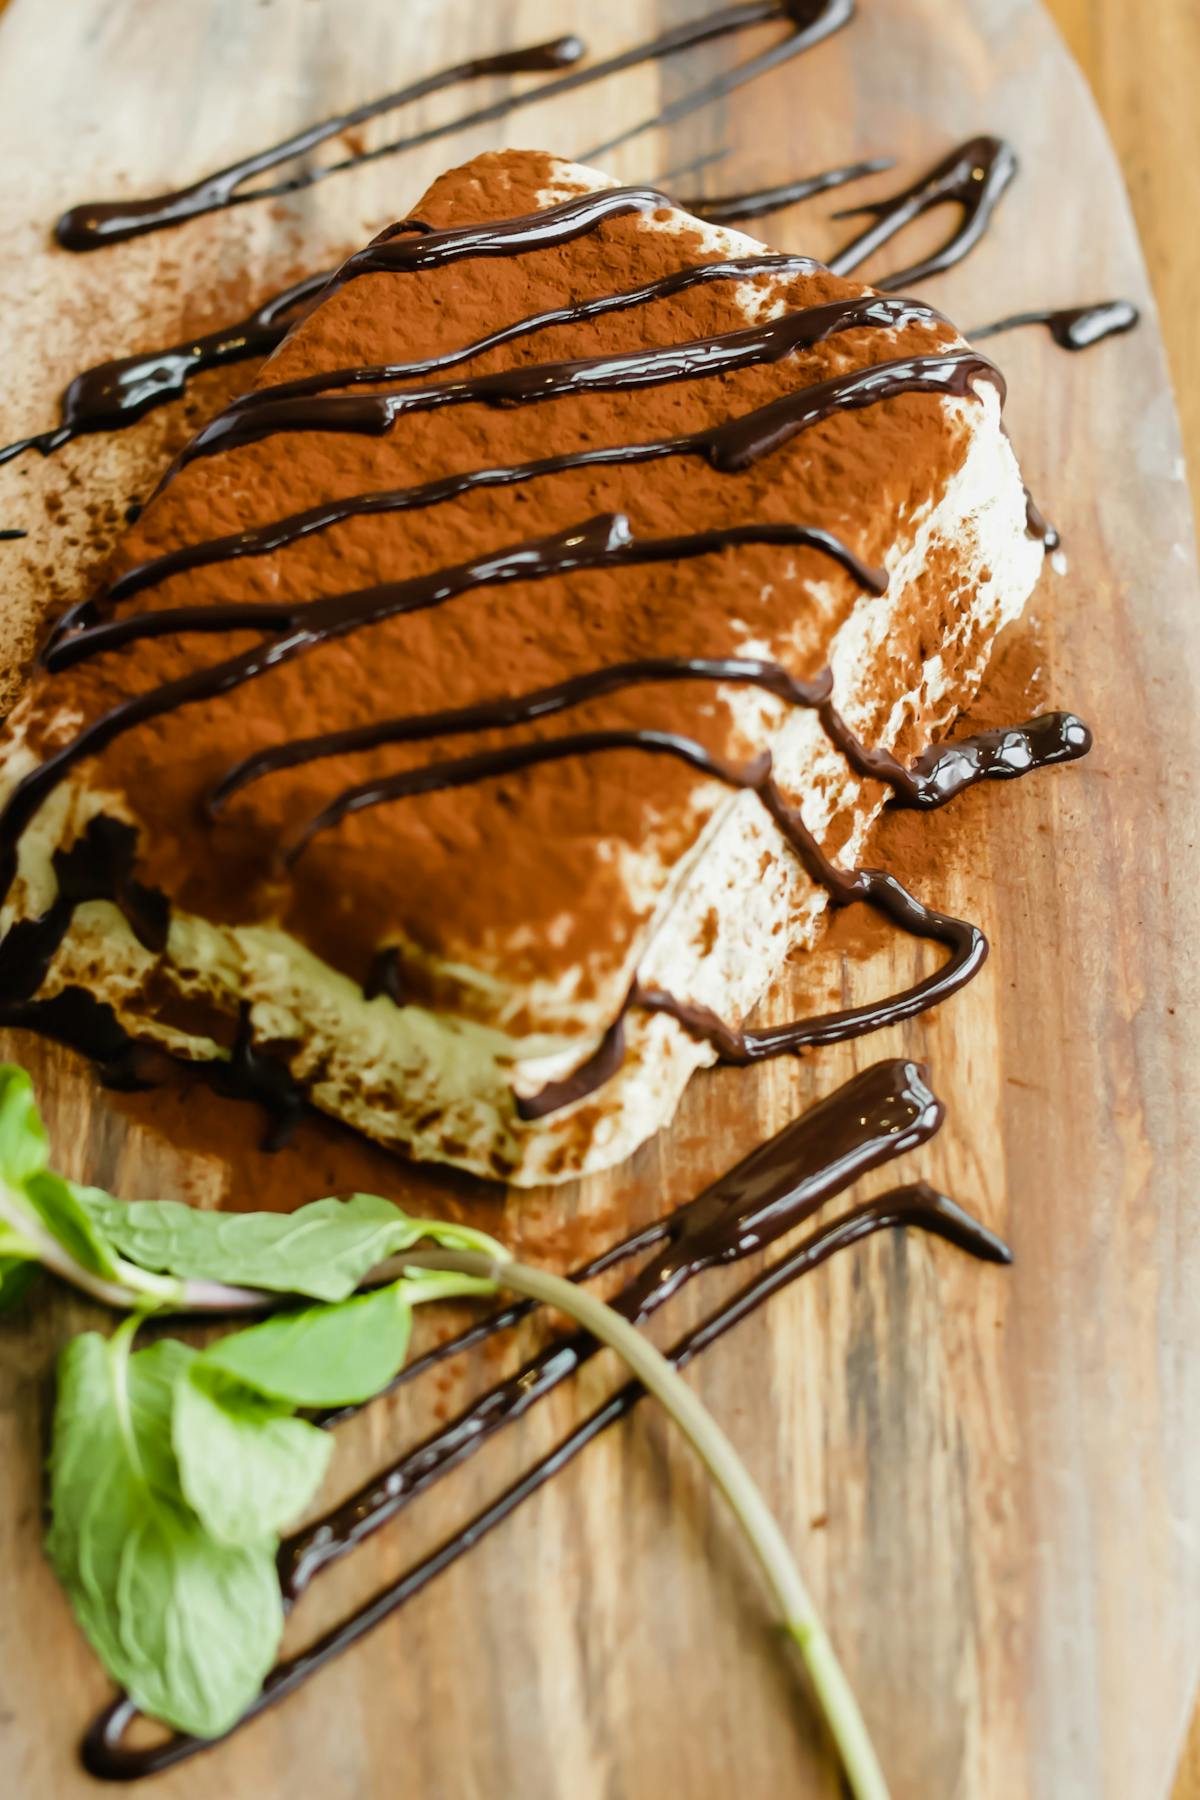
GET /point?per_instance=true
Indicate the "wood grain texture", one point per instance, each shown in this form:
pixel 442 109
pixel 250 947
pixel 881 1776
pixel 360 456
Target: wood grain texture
pixel 1146 96
pixel 992 1478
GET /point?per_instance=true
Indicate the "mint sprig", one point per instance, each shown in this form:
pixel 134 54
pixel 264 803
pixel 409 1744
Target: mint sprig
pixel 323 1250
pixel 174 1470
pixel 163 1255
pixel 187 1624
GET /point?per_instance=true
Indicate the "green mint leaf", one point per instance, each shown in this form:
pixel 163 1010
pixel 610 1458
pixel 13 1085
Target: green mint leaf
pixel 57 1204
pixel 246 1466
pixel 188 1626
pixel 17 1275
pixel 322 1250
pixel 24 1146
pixel 324 1355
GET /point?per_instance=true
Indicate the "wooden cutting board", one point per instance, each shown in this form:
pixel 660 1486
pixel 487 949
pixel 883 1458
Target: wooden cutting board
pixel 992 1477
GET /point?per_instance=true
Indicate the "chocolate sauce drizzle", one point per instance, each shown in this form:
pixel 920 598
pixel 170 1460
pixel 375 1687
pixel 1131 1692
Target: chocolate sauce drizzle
pixel 878 1115
pixel 745 268
pixel 739 436
pixel 967 944
pixel 730 208
pixel 113 394
pixel 600 542
pixel 597 543
pixel 936 778
pixel 972 177
pixel 92 224
pixel 1072 327
pixel 264 413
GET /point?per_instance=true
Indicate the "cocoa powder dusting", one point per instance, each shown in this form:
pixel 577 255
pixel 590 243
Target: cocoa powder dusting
pixel 522 876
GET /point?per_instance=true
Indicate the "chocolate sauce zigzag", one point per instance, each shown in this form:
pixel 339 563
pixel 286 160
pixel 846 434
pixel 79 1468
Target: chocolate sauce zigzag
pixel 897 1096
pixel 521 709
pixel 974 176
pixel 605 541
pixel 1073 328
pixel 591 544
pixel 881 890
pixel 92 224
pixel 966 942
pixel 261 414
pixel 736 268
pixel 115 393
pixel 938 775
pixel 914 1206
pixel 785 1188
pixel 738 436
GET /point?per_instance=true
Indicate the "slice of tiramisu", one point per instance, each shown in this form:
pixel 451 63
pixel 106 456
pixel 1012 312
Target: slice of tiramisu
pixel 460 699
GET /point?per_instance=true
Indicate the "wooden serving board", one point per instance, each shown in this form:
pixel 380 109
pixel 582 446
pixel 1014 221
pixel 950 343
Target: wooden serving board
pixel 992 1477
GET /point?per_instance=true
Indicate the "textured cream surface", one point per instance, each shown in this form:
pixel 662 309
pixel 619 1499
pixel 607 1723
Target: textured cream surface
pixel 442 1087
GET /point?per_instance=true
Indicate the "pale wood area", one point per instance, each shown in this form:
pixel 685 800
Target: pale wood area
pixel 1144 75
pixel 1146 93
pixel 993 1478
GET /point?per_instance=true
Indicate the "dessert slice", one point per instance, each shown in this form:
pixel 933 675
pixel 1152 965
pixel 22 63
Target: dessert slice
pixel 423 728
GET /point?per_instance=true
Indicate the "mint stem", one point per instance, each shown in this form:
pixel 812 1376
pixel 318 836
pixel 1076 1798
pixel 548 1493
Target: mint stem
pixel 798 1615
